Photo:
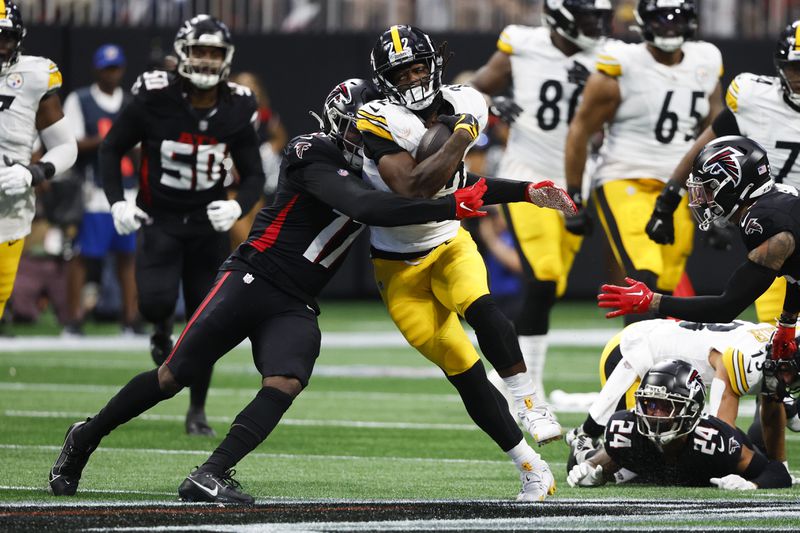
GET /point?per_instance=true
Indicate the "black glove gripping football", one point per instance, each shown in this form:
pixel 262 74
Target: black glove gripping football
pixel 505 109
pixel 580 223
pixel 660 227
pixel 578 74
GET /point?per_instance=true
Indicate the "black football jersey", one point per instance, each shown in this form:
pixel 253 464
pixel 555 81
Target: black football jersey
pixel 712 450
pixel 320 207
pixel 188 153
pixel 775 212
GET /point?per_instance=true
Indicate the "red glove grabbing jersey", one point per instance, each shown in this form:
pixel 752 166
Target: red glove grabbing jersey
pixel 469 200
pixel 784 344
pixel 627 300
pixel 546 194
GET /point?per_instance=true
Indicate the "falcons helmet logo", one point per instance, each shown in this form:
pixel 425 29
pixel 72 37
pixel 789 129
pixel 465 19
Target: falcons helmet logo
pixel 725 162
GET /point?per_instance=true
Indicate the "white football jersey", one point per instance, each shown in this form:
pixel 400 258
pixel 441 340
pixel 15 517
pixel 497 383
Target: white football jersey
pixel 646 343
pixel 662 108
pixel 548 101
pixel 763 115
pixel 22 86
pixel 395 122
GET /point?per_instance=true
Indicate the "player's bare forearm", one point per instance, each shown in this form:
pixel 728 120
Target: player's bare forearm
pixel 681 172
pixel 773 252
pixel 429 176
pixel 601 458
pixel 715 105
pixel 495 76
pixel 773 426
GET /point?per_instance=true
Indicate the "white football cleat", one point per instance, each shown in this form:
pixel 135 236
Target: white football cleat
pixel 537 484
pixel 538 421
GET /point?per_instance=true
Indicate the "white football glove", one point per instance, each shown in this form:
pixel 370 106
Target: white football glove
pixel 223 214
pixel 127 217
pixel 15 179
pixel 733 482
pixel 585 475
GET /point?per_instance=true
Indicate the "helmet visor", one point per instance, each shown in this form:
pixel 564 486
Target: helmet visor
pixel 662 417
pixel 701 201
pixel 669 22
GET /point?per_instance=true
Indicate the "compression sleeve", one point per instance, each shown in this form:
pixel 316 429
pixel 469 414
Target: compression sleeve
pixel 747 283
pixel 125 133
pixel 500 191
pixel 247 158
pixel 791 300
pixel 725 124
pixel 766 473
pixel 354 198
pixel 62 148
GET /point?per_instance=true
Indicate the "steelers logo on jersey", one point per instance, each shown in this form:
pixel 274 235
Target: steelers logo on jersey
pixel 15 80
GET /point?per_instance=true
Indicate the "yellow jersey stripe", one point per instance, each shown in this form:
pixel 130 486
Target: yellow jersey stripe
pixel 729 362
pixel 796 37
pixel 54 81
pixel 732 99
pixel 503 44
pixel 398 44
pixel 612 70
pixel 366 125
pixel 362 113
pixel 745 387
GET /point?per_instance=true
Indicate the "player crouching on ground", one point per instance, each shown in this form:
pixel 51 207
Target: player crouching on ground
pixel 667 441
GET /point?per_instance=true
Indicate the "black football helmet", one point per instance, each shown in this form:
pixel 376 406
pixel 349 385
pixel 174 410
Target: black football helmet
pixel 584 22
pixel 401 46
pixel 666 24
pixel 339 117
pixel 727 173
pixel 787 61
pixel 203 30
pixel 781 376
pixel 11 29
pixel 669 401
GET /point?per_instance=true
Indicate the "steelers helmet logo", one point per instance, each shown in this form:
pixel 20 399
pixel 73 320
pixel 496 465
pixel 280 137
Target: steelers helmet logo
pixel 15 80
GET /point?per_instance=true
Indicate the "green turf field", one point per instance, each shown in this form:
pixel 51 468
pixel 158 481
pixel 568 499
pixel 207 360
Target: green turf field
pixel 357 432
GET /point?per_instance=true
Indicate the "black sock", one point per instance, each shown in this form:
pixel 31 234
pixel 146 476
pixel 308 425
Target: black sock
pixel 199 388
pixel 140 394
pixel 486 406
pixel 495 332
pixel 251 426
pixel 592 428
pixel 534 317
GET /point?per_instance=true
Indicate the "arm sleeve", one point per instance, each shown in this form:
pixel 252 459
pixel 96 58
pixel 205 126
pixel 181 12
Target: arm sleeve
pixel 127 131
pixel 746 284
pixel 766 473
pixel 352 197
pixel 247 158
pixel 73 112
pixel 791 301
pixel 376 147
pixel 500 191
pixel 725 124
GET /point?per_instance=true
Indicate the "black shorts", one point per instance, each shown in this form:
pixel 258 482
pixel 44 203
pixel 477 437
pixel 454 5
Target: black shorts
pixel 282 328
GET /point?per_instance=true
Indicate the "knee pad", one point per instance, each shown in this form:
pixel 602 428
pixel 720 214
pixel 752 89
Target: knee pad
pixel 534 317
pixel 496 335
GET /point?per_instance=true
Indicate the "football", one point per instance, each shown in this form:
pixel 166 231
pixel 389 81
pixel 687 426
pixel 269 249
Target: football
pixel 432 140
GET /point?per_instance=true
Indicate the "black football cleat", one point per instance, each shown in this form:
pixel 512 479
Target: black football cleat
pixel 196 423
pixel 66 471
pixel 203 486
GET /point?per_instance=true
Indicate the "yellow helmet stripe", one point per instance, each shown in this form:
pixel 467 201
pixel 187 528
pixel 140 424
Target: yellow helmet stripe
pixel 797 37
pixel 2 9
pixel 398 44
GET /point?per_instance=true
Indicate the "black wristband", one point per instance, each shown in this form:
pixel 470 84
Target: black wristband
pixel 41 172
pixel 670 197
pixel 576 195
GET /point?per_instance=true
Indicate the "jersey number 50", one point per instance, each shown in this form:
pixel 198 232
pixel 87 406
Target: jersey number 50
pixel 193 167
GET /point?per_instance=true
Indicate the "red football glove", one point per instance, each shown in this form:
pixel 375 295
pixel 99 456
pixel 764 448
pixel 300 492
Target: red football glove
pixel 469 200
pixel 627 300
pixel 546 194
pixel 784 344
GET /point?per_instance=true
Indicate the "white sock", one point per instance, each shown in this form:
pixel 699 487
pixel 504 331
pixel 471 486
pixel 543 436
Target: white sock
pixel 615 388
pixel 534 351
pixel 523 456
pixel 521 388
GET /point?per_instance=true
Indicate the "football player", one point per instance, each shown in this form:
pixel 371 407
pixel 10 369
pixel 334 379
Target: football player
pixel 266 291
pixel 194 126
pixel 667 441
pixel 547 68
pixel 430 274
pixel 767 110
pixel 654 98
pixel 29 106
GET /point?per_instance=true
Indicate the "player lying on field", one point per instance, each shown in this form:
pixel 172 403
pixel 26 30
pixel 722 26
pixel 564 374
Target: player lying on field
pixel 666 440
pixel 730 357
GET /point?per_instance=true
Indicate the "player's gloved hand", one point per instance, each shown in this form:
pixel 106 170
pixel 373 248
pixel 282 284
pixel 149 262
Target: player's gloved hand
pixel 16 178
pixel 733 482
pixel 505 108
pixel 223 214
pixel 633 299
pixel 546 194
pixel 127 217
pixel 469 200
pixel 462 122
pixel 585 475
pixel 660 227
pixel 784 344
pixel 578 74
pixel 720 237
pixel 579 223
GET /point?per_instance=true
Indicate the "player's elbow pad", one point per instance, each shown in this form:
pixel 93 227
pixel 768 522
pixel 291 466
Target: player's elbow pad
pixel 62 148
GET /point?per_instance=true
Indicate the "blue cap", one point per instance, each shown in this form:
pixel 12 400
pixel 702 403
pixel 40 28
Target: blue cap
pixel 108 55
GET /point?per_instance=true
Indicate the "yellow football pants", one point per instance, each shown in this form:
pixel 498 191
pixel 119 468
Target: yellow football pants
pixel 770 304
pixel 609 360
pixel 10 252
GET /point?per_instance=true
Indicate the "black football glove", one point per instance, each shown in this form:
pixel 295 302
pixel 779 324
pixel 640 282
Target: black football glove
pixel 463 121
pixel 721 237
pixel 660 227
pixel 578 74
pixel 580 223
pixel 505 109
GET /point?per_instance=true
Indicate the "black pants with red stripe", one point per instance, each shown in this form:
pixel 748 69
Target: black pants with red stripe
pixel 283 330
